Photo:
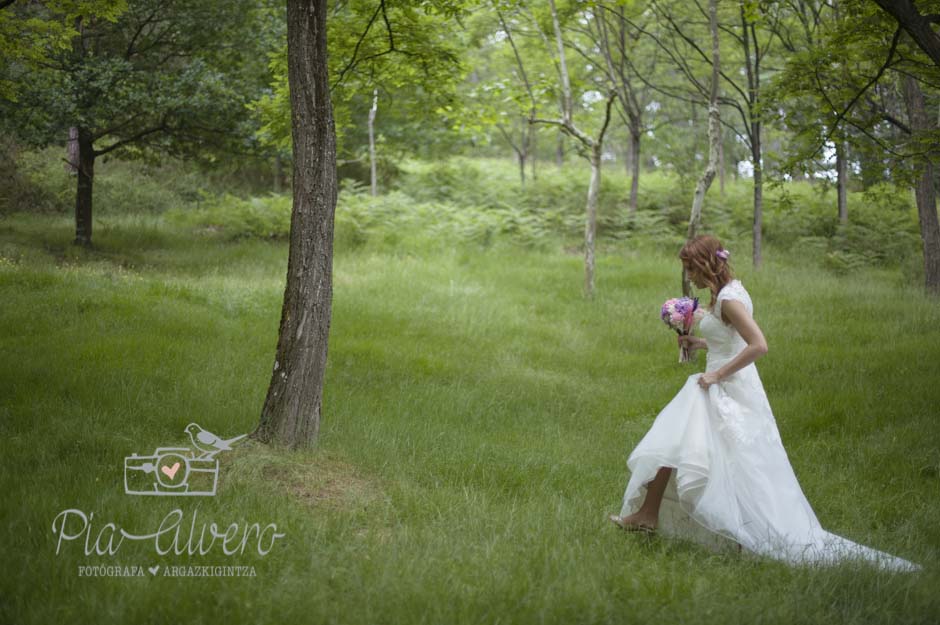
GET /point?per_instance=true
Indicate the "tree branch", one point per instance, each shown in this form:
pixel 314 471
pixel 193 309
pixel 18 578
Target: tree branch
pixel 140 28
pixel 354 61
pixel 842 115
pixel 131 139
pixel 515 51
pixel 917 25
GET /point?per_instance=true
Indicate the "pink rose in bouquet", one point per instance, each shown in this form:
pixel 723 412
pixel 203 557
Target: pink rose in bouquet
pixel 680 314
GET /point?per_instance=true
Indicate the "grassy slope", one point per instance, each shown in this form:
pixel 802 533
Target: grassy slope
pixel 478 414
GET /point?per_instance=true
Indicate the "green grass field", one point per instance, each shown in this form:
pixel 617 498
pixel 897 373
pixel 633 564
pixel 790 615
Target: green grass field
pixel 478 413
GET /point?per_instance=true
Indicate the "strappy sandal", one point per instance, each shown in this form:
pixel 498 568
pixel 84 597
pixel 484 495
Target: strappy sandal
pixel 631 527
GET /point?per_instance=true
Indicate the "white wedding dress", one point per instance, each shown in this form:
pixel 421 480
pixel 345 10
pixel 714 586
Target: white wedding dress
pixel 733 483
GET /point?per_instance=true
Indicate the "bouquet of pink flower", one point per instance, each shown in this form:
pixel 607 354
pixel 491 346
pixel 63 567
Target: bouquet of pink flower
pixel 680 313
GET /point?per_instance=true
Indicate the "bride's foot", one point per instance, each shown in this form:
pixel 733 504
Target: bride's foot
pixel 634 523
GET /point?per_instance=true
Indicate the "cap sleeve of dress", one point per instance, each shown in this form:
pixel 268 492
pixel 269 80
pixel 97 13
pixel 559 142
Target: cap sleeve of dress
pixel 736 291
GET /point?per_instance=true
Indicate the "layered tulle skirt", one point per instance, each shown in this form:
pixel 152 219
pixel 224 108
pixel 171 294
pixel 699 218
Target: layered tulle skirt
pixel 732 482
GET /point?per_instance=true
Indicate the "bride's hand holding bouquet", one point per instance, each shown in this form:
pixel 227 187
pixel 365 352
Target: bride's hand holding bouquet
pixel 692 342
pixel 680 314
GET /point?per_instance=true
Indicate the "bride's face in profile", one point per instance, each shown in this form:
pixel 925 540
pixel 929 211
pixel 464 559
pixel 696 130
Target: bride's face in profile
pixel 694 276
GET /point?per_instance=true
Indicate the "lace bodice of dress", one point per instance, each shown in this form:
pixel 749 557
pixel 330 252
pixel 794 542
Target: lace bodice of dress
pixel 739 399
pixel 724 342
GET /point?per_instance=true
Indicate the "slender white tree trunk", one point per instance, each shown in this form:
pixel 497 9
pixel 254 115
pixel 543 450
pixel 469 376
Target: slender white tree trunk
pixel 714 140
pixel 590 223
pixel 842 174
pixel 372 111
pixel 634 170
pixel 592 145
pixel 596 149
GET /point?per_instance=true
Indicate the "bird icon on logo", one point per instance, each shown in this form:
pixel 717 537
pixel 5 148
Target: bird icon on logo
pixel 178 470
pixel 207 442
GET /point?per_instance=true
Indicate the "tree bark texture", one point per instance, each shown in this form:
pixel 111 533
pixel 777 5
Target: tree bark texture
pixel 86 179
pixel 72 151
pixel 292 409
pixel 924 190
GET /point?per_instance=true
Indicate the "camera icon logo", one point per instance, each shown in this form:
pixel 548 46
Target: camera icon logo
pixel 185 471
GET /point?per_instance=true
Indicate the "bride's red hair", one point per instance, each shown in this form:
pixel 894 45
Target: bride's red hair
pixel 701 254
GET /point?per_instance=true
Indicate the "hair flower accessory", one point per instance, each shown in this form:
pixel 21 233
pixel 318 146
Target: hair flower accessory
pixel 723 254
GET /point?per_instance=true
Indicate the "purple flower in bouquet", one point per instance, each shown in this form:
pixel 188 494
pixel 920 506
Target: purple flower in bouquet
pixel 680 313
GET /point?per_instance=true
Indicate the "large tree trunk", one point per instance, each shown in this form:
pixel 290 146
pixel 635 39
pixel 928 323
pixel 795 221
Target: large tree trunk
pixel 924 187
pixel 590 224
pixel 291 412
pixel 71 167
pixel 86 179
pixel 842 175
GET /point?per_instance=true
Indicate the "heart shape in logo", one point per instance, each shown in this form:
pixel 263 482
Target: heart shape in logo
pixel 171 471
pixel 153 570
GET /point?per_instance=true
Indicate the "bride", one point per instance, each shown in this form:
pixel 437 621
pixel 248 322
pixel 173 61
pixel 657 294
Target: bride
pixel 712 467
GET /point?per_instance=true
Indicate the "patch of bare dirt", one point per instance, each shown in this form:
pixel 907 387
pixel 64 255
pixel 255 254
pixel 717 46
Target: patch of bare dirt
pixel 318 478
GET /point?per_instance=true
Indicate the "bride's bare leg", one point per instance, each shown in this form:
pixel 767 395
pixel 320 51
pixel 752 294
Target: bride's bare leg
pixel 648 514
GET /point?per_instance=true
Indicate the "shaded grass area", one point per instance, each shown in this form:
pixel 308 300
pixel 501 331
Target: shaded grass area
pixel 478 415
